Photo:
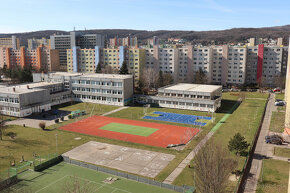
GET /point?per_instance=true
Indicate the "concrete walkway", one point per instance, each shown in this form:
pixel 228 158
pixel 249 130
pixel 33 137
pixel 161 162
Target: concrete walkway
pixel 190 156
pixel 261 150
pixel 113 111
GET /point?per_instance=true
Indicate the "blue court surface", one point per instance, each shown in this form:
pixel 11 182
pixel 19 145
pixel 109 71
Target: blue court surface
pixel 178 118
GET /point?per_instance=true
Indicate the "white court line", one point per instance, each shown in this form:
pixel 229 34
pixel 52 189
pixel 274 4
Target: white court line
pixel 103 185
pixel 52 183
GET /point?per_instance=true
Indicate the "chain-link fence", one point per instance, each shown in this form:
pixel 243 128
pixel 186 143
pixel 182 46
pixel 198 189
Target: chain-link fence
pixel 187 189
pixel 44 161
pixel 7 178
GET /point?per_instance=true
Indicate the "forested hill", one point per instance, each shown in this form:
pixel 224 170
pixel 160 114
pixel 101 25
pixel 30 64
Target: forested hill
pixel 205 37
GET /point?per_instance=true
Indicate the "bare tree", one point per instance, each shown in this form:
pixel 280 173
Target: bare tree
pixel 107 69
pixel 167 79
pixel 150 78
pixel 279 81
pixel 212 167
pixel 75 185
pixel 261 82
pixel 200 77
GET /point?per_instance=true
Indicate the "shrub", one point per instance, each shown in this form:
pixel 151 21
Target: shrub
pixel 42 125
pixel 11 134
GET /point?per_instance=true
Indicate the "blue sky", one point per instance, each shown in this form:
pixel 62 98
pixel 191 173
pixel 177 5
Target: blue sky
pixel 197 15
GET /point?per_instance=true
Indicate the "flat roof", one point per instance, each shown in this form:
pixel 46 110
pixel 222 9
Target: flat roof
pixel 119 76
pixel 193 87
pixel 65 73
pixel 92 75
pixel 18 90
pixel 35 84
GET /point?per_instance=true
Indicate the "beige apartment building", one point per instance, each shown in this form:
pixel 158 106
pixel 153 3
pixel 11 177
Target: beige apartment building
pixel 11 42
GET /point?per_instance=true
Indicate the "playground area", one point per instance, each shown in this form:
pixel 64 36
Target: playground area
pixel 153 134
pixel 178 118
pixel 65 177
pixel 141 162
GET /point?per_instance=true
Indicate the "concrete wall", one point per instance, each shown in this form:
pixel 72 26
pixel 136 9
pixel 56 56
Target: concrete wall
pixel 287 95
pixel 34 98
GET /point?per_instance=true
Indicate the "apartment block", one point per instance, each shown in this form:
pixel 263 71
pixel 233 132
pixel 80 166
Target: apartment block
pixel 163 59
pixel 40 59
pixel 35 43
pixel 202 59
pixel 81 60
pixel 75 39
pixel 265 63
pixel 113 57
pixel 86 60
pixel 127 42
pixel 135 58
pixel 12 42
pixel 236 65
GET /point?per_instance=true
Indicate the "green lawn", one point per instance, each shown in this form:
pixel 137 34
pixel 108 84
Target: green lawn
pixel 130 129
pixel 277 122
pixel 280 96
pixel 283 152
pixel 90 108
pixel 245 119
pixel 63 175
pixel 274 177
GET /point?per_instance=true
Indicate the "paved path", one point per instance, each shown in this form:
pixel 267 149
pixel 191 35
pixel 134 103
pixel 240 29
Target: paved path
pixel 261 150
pixel 270 153
pixel 190 156
pixel 113 111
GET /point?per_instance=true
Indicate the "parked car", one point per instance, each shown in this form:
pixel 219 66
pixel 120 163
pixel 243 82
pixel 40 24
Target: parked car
pixel 274 139
pixel 280 103
pixel 276 90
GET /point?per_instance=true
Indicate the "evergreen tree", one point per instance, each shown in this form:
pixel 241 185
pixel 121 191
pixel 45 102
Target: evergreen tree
pixel 99 68
pixel 124 68
pixel 238 144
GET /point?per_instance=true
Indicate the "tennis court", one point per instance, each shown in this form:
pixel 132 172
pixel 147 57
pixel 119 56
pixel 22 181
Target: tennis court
pixel 153 134
pixel 179 118
pixel 65 177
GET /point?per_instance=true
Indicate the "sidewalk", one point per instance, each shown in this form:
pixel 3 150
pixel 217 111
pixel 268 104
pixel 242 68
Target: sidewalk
pixel 190 156
pixel 261 150
pixel 113 111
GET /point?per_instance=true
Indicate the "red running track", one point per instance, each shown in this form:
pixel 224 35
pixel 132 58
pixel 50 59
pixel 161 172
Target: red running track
pixel 166 134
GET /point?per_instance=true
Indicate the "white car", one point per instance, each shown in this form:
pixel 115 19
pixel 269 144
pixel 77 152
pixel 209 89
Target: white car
pixel 280 103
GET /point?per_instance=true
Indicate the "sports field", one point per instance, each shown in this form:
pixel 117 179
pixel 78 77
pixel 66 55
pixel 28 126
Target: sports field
pixel 70 178
pixel 130 129
pixel 178 118
pixel 153 134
